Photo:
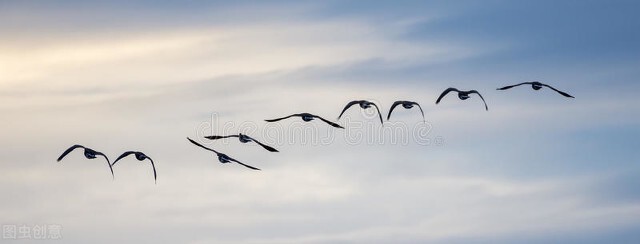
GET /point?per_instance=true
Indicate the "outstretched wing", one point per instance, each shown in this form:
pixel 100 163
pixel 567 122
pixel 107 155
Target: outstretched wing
pixel 485 103
pixel 108 163
pixel 379 114
pixel 422 112
pixel 248 166
pixel 155 176
pixel 219 137
pixel 558 91
pixel 329 122
pixel 348 106
pixel 68 151
pixel 511 86
pixel 200 145
pixel 445 92
pixel 122 156
pixel 274 120
pixel 395 104
pixel 270 149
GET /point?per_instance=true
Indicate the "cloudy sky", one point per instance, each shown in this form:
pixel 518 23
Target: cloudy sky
pixel 144 75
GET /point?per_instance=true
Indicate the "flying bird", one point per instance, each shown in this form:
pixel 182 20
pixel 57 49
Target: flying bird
pixel 306 117
pixel 223 158
pixel 537 86
pixel 364 104
pixel 88 153
pixel 244 139
pixel 406 105
pixel 139 156
pixel 463 95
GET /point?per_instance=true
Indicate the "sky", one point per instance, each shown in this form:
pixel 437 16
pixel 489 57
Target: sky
pixel 143 75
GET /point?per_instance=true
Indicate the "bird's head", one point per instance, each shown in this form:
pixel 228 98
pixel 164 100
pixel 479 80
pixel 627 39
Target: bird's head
pixel 536 85
pixel 365 104
pixel 223 158
pixel 463 95
pixel 307 117
pixel 407 105
pixel 140 156
pixel 90 154
pixel 244 138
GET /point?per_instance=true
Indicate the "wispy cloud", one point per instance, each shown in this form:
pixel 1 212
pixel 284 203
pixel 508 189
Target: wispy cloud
pixel 534 166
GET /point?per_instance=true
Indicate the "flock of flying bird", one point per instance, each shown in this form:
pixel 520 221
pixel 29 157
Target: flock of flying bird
pixel 223 158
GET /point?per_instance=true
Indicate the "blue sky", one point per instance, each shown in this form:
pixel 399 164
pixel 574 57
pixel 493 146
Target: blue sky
pixel 143 75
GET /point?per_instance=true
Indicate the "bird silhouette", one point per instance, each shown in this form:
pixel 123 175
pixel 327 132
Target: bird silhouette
pixel 223 158
pixel 306 117
pixel 406 105
pixel 364 104
pixel 88 153
pixel 463 95
pixel 139 156
pixel 244 139
pixel 537 86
